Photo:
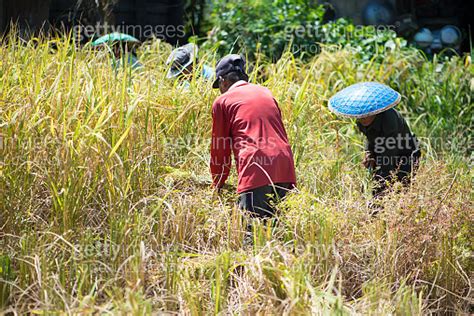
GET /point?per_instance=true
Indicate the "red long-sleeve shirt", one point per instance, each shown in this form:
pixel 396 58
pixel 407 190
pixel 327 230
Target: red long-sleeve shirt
pixel 247 121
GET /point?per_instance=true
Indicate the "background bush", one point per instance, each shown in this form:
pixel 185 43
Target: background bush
pixel 271 27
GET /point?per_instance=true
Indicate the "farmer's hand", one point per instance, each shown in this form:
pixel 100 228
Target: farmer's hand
pixel 369 161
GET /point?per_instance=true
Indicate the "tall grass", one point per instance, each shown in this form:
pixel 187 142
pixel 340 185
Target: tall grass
pixel 106 203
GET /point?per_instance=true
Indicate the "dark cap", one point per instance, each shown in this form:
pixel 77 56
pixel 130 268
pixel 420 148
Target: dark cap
pixel 228 64
pixel 180 59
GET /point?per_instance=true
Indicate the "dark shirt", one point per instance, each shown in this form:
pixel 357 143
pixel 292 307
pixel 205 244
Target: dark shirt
pixel 390 142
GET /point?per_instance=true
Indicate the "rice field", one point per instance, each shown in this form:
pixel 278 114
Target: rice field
pixel 106 205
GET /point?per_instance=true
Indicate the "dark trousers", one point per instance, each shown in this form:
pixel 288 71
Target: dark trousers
pixel 260 201
pixel 384 178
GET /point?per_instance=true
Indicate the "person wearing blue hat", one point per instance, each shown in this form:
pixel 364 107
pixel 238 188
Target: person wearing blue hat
pixel 123 48
pixel 182 62
pixel 392 151
pixel 126 55
pixel 247 122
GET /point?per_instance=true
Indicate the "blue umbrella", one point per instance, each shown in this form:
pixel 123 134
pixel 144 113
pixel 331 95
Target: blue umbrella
pixel 113 38
pixel 364 99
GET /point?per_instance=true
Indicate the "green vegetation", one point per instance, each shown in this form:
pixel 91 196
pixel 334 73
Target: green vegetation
pixel 262 26
pixel 106 203
pixel 271 27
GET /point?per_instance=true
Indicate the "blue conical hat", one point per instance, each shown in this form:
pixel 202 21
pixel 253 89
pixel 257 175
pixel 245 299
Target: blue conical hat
pixel 364 99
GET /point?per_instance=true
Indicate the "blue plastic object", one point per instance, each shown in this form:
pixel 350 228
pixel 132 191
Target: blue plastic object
pixel 378 13
pixel 364 99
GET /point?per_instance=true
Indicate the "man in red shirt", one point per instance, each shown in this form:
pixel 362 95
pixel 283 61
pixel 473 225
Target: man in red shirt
pixel 247 122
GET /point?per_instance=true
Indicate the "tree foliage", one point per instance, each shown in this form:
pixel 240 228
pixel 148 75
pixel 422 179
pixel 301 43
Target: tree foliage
pixel 273 26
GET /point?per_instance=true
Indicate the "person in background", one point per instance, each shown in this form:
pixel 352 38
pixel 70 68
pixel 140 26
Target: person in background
pixel 247 121
pixel 392 151
pixel 123 47
pixel 182 63
pixel 126 54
